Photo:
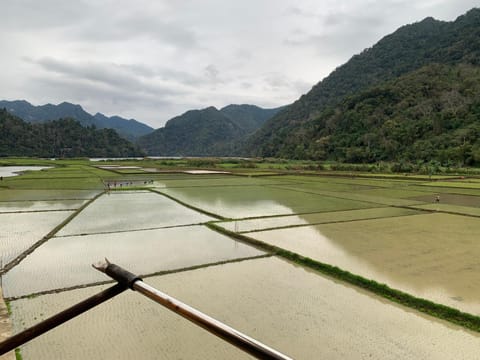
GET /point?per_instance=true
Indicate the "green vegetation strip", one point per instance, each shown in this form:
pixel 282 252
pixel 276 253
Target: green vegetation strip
pixel 47 237
pixel 440 311
pixel 18 354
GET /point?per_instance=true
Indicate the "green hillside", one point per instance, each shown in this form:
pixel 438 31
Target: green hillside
pixel 406 50
pixel 430 114
pixel 206 132
pixel 59 138
pixel 128 129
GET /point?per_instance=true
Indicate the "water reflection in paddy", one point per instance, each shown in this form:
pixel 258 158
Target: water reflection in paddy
pixel 20 231
pixel 433 256
pixel 7 171
pixel 66 261
pixel 37 195
pixel 254 201
pixel 12 206
pixel 124 211
pixel 295 311
pixel 317 218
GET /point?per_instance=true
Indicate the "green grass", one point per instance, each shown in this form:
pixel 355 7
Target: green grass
pixel 9 307
pixel 453 209
pixel 454 184
pixel 18 354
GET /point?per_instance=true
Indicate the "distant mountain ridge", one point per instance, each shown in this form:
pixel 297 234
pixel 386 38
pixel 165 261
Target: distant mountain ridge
pixel 206 132
pixel 408 49
pixel 129 129
pixel 59 138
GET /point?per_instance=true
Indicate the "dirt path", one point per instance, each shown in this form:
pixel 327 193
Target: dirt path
pixel 5 327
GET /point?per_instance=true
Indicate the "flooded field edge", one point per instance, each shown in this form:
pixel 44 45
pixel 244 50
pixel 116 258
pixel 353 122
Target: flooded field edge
pixel 143 276
pixel 428 307
pixel 330 222
pixel 10 265
pixel 279 321
pixel 6 326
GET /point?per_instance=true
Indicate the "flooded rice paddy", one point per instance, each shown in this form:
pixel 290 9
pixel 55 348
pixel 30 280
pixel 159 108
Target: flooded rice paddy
pixel 255 201
pixel 19 231
pixel 147 251
pixel 293 310
pixel 316 218
pixel 29 206
pixel 52 195
pixel 126 211
pixel 388 230
pixel 7 171
pixel 433 256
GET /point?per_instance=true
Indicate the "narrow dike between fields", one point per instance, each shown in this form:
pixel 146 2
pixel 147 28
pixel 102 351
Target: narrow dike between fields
pixel 425 306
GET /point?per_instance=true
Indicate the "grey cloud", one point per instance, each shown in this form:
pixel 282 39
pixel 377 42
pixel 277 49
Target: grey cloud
pixel 246 85
pixel 180 76
pixel 243 54
pixel 25 15
pixel 154 27
pixel 212 73
pixel 90 21
pixel 129 104
pixel 137 25
pixel 278 81
pixel 297 11
pixel 112 75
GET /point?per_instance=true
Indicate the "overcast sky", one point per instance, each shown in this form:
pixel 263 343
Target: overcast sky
pixel 152 59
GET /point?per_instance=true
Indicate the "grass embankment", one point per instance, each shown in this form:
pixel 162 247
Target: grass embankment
pixel 18 354
pixel 440 311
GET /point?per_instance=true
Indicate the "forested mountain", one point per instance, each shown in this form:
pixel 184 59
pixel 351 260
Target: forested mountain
pixel 249 117
pixel 430 114
pixel 59 138
pixel 129 129
pixel 207 132
pixel 288 134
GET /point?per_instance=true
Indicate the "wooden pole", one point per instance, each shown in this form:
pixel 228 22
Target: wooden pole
pixel 227 333
pixel 58 319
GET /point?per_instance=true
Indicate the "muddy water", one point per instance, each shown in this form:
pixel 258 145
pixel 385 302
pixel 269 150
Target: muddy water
pixel 318 218
pixel 145 252
pixel 295 311
pixel 20 231
pixel 433 256
pixel 254 201
pixel 124 211
pixel 12 206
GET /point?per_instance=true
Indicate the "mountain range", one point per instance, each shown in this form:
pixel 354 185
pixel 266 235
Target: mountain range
pixel 129 129
pixel 206 132
pixel 412 96
pixel 318 117
pixel 60 138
